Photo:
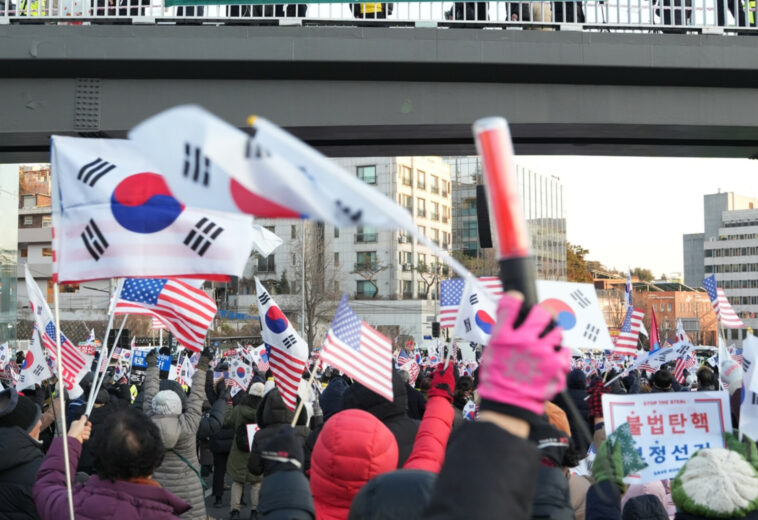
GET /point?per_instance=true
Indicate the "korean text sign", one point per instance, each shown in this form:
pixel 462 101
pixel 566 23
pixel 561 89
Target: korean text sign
pixel 667 428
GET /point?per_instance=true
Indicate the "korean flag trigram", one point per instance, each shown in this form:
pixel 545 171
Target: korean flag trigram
pixel 94 240
pixel 203 235
pixel 196 165
pixel 591 332
pixel 580 299
pixel 264 298
pixel 92 172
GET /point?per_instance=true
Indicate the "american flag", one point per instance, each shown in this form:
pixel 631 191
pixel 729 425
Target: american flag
pixel 72 359
pixel 736 354
pixel 451 292
pixel 188 312
pixel 402 357
pixel 724 311
pixel 359 351
pixel 626 342
pixel 158 324
pixel 684 363
pixel 413 369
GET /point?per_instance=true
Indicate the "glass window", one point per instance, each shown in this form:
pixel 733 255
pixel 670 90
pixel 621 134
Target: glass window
pixel 434 185
pixel 420 180
pixel 293 232
pixel 28 220
pixel 271 228
pixel 435 211
pixel 336 232
pixel 668 307
pixel 294 259
pixel 406 176
pixel 336 259
pixel 436 236
pixel 420 207
pixel 365 289
pixel 421 259
pixel 47 251
pixel 47 221
pixel 365 260
pixel 266 264
pixel 469 208
pixel 407 202
pixel 367 174
pixel 29 201
pixel 470 230
pixel 23 251
pixel 421 289
pixel 407 289
pixel 366 234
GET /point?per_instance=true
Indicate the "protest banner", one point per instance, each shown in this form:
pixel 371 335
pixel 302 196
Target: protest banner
pixel 668 428
pixel 139 355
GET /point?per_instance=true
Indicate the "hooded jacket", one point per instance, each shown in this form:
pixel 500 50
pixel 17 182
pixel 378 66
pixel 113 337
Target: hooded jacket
pixel 98 499
pixel 399 495
pixel 21 458
pixel 272 415
pixel 243 413
pixel 330 402
pixel 178 433
pixel 392 414
pixel 354 447
pixel 644 507
pixel 98 417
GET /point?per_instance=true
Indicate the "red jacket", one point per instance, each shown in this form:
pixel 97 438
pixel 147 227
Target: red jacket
pixel 431 440
pixel 353 447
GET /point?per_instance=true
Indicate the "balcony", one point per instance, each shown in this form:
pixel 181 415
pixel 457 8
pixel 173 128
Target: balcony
pixel 445 220
pixel 421 213
pixel 35 235
pixel 271 268
pixel 434 216
pixel 366 238
pixel 366 266
pixel 407 267
pixel 444 194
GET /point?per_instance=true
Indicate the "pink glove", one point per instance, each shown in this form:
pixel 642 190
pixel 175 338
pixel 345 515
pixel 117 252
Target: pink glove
pixel 522 366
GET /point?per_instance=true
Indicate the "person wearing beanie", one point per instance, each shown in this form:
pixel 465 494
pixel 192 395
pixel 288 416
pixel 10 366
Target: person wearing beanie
pixel 716 483
pixel 180 470
pixel 285 492
pixel 21 454
pixel 237 418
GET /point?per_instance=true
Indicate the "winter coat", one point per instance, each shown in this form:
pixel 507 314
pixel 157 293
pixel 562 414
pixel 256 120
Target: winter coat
pixel 488 471
pixel 393 414
pixel 459 403
pixel 179 435
pixel 20 460
pixel 354 447
pixel 578 487
pixel 212 421
pixel 603 501
pixel 655 488
pixel 416 403
pixel 330 402
pixel 236 464
pixel 285 495
pixel 576 387
pixel 98 499
pixel 272 415
pixel 552 500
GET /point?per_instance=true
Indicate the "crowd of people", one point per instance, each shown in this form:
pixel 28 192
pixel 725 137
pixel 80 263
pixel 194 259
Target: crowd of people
pixel 353 454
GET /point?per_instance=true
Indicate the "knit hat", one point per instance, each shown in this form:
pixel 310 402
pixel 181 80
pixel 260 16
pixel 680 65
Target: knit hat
pixel 716 483
pixel 731 374
pixel 256 389
pixel 167 402
pixel 18 410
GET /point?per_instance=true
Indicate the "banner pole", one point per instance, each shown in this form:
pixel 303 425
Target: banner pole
pixel 104 348
pixel 61 390
pixel 96 387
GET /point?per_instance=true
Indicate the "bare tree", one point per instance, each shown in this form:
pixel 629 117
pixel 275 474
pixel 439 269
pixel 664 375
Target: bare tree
pixel 319 273
pixel 430 275
pixel 369 271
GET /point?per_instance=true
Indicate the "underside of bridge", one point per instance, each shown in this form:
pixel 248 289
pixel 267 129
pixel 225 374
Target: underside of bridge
pixel 353 91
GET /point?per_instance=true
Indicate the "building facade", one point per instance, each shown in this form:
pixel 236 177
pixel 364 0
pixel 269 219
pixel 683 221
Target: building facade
pixel 728 249
pixel 8 252
pixel 542 203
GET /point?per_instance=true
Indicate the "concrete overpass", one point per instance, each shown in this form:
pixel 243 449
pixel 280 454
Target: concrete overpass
pixel 388 91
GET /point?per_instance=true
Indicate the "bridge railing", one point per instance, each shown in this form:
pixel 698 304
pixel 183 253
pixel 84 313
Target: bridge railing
pixel 710 16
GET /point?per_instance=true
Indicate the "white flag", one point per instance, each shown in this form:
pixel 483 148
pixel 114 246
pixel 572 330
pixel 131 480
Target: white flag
pixel 210 163
pixel 749 405
pixel 34 370
pixel 264 241
pixel 115 216
pixel 186 371
pixel 476 315
pixel 5 355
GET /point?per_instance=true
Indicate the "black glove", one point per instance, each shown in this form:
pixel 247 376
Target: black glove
pixel 283 452
pixel 551 442
pixel 205 359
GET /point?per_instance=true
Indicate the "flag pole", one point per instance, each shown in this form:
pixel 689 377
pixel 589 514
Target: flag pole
pixel 310 385
pixel 96 387
pixel 61 390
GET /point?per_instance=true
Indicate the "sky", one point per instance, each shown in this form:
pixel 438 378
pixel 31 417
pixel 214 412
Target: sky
pixel 633 211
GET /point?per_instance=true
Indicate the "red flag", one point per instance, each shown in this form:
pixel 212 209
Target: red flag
pixel 655 344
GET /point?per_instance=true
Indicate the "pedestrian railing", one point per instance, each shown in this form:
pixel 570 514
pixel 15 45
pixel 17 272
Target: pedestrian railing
pixel 703 16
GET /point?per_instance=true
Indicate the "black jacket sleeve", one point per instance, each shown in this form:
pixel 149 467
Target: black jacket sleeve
pixel 210 389
pixel 487 473
pixel 212 422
